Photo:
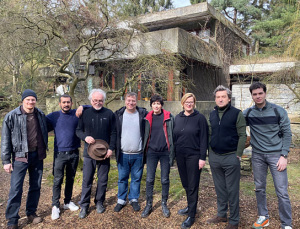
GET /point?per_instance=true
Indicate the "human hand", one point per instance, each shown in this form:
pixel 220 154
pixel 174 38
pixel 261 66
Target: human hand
pixel 8 168
pixel 201 164
pixel 89 140
pixel 281 164
pixel 79 111
pixel 109 153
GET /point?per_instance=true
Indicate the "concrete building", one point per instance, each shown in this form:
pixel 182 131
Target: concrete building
pixel 202 36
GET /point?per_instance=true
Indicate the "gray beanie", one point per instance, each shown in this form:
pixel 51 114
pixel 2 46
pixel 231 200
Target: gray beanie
pixel 27 93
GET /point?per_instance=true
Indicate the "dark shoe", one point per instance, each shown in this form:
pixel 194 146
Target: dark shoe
pixel 147 210
pixel 82 213
pixel 12 227
pixel 118 207
pixel 188 222
pixel 135 205
pixel 217 219
pixel 184 211
pixel 165 210
pixel 100 208
pixel 34 219
pixel 230 226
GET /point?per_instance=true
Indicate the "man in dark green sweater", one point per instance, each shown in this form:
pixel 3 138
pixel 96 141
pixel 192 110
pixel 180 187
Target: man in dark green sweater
pixel 227 132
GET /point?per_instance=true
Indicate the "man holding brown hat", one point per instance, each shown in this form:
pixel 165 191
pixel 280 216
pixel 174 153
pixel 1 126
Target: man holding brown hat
pixel 95 127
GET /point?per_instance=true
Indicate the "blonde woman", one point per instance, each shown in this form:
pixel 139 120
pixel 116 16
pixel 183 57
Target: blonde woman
pixel 190 137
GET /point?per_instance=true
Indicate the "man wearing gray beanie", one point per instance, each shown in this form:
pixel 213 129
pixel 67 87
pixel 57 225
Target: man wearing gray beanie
pixel 24 150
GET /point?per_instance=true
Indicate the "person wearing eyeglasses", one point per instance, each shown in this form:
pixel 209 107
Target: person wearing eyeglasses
pixel 96 122
pixel 191 142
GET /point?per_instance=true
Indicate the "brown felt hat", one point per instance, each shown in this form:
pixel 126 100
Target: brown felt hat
pixel 98 150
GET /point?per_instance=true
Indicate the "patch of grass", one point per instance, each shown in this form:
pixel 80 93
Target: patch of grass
pixel 294 183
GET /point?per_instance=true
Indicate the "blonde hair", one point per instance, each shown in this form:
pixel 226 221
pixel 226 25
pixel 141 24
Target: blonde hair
pixel 186 96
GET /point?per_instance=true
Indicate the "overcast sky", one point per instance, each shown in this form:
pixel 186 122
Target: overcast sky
pixel 181 3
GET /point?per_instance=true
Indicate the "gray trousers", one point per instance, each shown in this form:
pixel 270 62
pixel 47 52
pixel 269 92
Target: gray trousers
pixel 226 175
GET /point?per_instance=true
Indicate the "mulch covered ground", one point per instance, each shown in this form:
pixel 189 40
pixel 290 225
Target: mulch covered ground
pixel 127 218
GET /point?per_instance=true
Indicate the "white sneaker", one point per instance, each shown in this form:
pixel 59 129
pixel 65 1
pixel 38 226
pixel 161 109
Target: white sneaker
pixel 71 206
pixel 55 213
pixel 287 227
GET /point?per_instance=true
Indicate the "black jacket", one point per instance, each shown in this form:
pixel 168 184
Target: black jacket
pixel 118 130
pixel 14 134
pixel 98 124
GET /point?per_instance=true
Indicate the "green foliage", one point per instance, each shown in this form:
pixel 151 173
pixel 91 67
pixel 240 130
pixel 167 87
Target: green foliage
pixel 241 12
pixel 272 29
pixel 293 41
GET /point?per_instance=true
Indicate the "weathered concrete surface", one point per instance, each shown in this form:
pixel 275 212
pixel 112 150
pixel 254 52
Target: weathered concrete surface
pixel 261 68
pixel 276 93
pixel 173 106
pixel 196 12
pixel 173 40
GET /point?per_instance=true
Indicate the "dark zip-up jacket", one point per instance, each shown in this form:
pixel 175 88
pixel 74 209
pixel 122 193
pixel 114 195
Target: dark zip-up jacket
pixel 118 128
pixel 98 124
pixel 168 124
pixel 14 135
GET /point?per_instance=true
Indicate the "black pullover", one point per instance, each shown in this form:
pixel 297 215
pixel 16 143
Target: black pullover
pixel 191 132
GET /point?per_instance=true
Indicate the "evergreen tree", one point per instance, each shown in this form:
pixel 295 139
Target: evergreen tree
pixel 271 31
pixel 241 12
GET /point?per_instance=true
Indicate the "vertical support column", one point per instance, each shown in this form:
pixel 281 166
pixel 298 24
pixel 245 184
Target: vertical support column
pixel 113 81
pixel 125 79
pixel 153 85
pixel 101 79
pixel 139 86
pixel 170 86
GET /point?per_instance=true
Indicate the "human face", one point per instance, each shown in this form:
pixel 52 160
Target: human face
pixel 97 100
pixel 259 97
pixel 189 105
pixel 130 103
pixel 29 104
pixel 222 99
pixel 65 104
pixel 156 107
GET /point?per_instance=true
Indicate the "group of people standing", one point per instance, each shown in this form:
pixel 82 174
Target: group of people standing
pixel 140 137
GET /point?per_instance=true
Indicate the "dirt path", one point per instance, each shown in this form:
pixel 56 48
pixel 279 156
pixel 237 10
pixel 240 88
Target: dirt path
pixel 127 218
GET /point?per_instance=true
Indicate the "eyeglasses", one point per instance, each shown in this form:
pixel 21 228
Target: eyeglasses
pixel 188 103
pixel 97 101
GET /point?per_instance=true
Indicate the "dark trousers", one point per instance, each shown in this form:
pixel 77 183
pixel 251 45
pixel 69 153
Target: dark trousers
pixel 62 162
pixel 35 171
pixel 226 174
pixel 188 168
pixel 89 168
pixel 152 161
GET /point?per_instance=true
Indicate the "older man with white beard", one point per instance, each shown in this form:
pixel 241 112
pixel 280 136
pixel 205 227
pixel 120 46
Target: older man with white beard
pixel 95 123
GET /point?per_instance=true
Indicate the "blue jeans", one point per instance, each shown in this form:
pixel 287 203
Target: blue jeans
pixel 260 164
pixel 35 171
pixel 152 161
pixel 62 162
pixel 129 164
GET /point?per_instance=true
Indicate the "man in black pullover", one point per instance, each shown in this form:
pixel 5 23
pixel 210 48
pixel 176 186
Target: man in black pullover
pixel 96 122
pixel 227 131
